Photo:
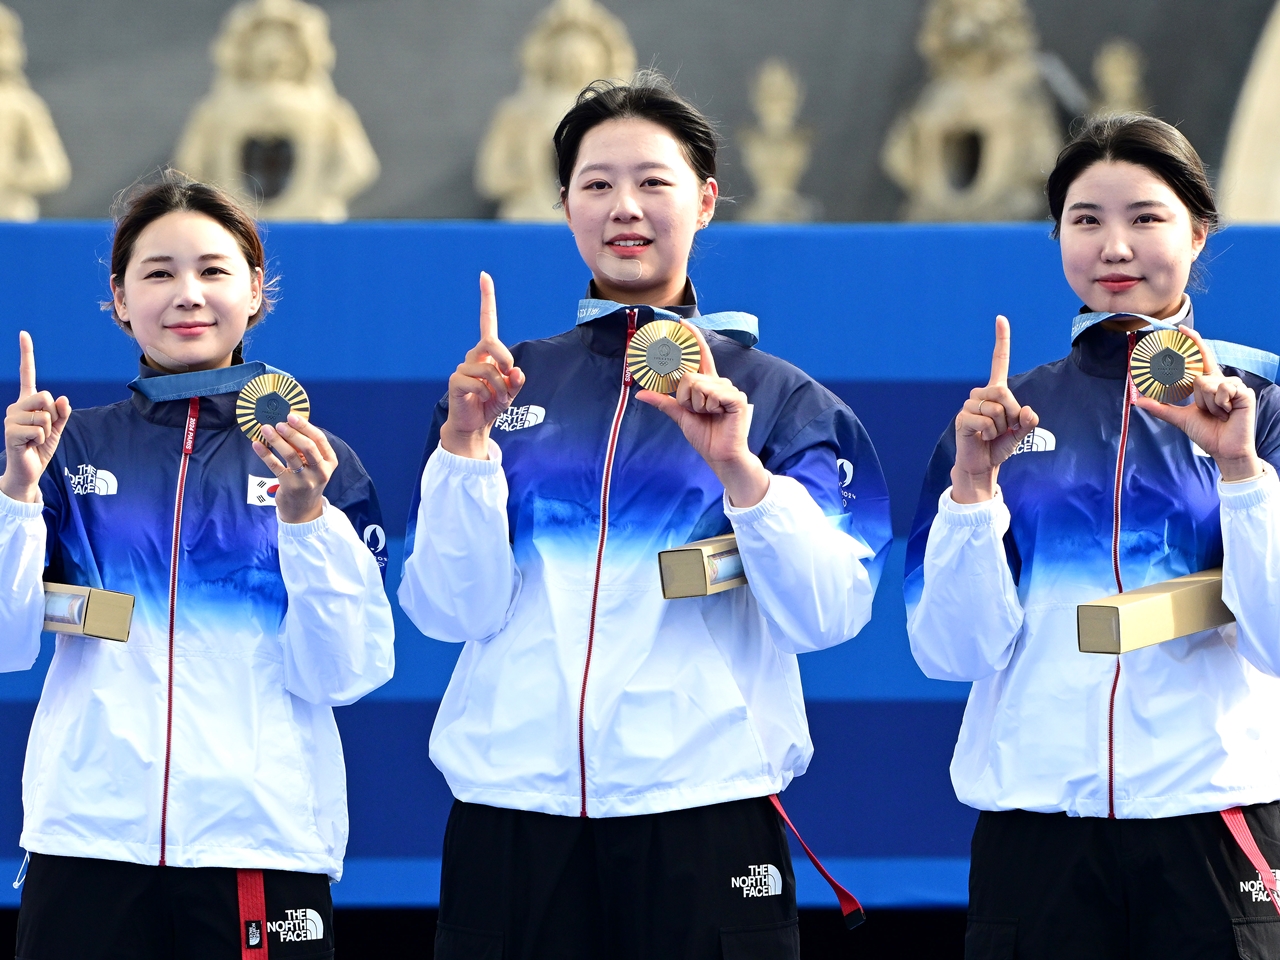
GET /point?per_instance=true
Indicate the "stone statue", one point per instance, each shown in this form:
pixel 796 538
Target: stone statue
pixel 273 129
pixel 981 138
pixel 1249 186
pixel 776 152
pixel 573 43
pixel 32 160
pixel 1117 71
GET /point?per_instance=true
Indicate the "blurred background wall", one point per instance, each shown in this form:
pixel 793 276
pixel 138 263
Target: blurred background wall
pixel 121 76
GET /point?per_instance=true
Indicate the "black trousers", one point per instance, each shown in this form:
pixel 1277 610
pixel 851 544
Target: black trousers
pixel 81 909
pixel 1047 886
pixel 710 882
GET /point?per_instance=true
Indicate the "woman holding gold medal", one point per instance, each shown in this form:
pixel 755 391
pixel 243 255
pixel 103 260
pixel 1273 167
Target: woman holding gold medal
pixel 206 742
pixel 613 753
pixel 1129 802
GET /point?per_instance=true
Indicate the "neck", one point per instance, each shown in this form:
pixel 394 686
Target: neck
pixel 666 294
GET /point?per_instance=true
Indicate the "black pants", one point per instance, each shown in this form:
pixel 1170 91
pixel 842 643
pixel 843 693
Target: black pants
pixel 80 909
pixel 1047 886
pixel 711 882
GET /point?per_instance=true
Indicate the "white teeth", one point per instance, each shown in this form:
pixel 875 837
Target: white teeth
pixel 629 243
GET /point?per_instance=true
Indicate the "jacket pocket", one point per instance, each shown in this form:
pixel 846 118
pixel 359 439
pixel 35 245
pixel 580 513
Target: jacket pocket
pixel 990 938
pixel 463 943
pixel 769 941
pixel 1257 938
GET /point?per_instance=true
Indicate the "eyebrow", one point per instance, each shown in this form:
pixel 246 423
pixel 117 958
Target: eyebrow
pixel 165 258
pixel 1136 205
pixel 605 167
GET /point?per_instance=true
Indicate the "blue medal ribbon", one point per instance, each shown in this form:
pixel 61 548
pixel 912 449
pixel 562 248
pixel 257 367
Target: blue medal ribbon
pixel 199 383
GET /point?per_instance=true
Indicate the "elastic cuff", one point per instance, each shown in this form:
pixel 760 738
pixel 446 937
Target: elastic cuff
pixel 17 508
pixel 768 505
pixel 1248 493
pixel 970 514
pixel 468 466
pixel 296 531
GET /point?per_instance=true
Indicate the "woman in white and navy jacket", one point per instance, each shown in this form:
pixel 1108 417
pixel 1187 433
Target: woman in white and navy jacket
pixel 184 791
pixel 611 752
pixel 1124 798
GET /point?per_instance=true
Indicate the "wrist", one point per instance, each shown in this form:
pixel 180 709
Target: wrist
pixel 19 491
pixel 1237 469
pixel 473 444
pixel 972 487
pixel 287 512
pixel 745 480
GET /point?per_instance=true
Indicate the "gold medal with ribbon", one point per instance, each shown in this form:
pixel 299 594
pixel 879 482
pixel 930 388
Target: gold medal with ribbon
pixel 270 399
pixel 1165 364
pixel 661 353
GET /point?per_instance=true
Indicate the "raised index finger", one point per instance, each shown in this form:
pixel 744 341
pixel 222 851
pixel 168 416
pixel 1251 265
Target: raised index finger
pixel 488 308
pixel 1000 355
pixel 26 365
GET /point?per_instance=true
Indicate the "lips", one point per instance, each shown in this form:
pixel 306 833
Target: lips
pixel 628 244
pixel 1118 282
pixel 189 329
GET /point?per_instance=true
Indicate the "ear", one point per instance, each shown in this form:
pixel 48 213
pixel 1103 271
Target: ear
pixel 256 283
pixel 707 208
pixel 117 301
pixel 1199 237
pixel 564 205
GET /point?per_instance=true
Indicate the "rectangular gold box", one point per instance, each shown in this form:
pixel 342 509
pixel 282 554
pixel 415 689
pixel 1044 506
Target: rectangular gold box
pixel 87 611
pixel 1154 614
pixel 701 568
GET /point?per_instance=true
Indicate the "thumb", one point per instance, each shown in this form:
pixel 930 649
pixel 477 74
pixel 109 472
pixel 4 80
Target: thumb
pixel 668 405
pixel 1168 412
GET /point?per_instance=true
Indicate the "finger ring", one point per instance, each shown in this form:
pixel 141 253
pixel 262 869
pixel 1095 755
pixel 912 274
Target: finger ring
pixel 295 469
pixel 980 403
pixel 33 419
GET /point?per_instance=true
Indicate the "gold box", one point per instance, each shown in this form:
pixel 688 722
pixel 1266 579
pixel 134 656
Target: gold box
pixel 1154 614
pixel 87 611
pixel 701 568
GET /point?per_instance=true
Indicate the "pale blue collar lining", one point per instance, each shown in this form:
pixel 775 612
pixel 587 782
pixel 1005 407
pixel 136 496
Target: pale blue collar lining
pixel 742 327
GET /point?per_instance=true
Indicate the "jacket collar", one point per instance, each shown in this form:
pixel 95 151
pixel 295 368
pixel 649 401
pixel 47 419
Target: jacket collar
pixel 161 398
pixel 602 323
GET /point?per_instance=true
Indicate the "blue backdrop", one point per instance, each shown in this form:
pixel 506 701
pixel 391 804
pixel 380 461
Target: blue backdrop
pixel 372 318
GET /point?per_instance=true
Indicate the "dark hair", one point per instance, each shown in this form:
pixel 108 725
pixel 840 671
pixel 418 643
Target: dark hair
pixel 147 201
pixel 650 96
pixel 1143 140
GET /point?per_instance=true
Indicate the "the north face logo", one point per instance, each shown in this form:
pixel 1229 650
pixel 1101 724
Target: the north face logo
pixel 304 924
pixel 253 934
pixel 1038 440
pixel 761 880
pixel 517 418
pixel 1256 888
pixel 89 479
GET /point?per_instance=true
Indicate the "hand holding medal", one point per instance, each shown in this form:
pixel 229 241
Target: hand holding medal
pixel 1220 421
pixel 274 412
pixel 713 414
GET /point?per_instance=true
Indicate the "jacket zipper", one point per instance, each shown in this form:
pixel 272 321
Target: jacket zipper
pixel 188 445
pixel 604 532
pixel 1115 567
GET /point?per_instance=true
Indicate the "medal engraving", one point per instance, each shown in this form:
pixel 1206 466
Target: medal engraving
pixel 660 354
pixel 269 399
pixel 1165 364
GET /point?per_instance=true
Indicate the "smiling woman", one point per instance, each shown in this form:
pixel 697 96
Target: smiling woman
pixel 210 730
pixel 1136 771
pixel 612 753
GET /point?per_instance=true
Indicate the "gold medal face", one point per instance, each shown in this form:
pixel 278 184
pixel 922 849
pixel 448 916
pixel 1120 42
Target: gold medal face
pixel 269 399
pixel 661 353
pixel 1165 364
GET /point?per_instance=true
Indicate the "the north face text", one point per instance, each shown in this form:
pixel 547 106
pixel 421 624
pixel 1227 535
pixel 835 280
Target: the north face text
pixel 761 880
pixel 303 924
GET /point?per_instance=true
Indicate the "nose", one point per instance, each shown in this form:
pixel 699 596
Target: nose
pixel 1116 248
pixel 626 206
pixel 190 292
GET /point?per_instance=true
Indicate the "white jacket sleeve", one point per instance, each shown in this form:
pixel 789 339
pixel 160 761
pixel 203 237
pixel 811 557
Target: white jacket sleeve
pixel 338 635
pixel 968 617
pixel 1251 566
pixel 807 575
pixel 460 579
pixel 22 550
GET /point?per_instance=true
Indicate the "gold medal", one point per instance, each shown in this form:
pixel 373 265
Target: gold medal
pixel 661 353
pixel 1165 364
pixel 270 399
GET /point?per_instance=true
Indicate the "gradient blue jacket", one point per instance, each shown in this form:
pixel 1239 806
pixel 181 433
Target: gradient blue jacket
pixel 580 690
pixel 1102 498
pixel 207 739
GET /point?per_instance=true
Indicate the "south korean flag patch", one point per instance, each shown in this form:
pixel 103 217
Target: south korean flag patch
pixel 262 491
